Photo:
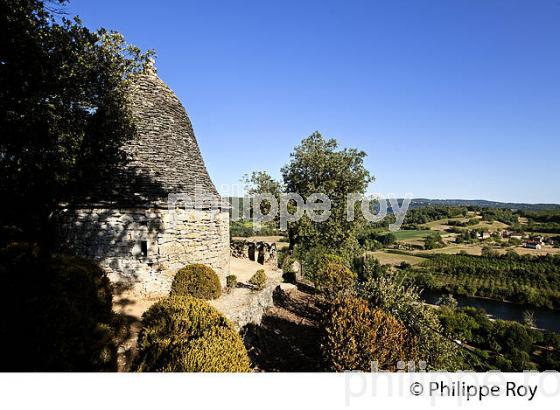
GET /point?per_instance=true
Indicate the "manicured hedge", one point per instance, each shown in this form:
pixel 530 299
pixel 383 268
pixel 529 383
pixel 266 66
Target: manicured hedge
pixel 184 334
pixel 199 281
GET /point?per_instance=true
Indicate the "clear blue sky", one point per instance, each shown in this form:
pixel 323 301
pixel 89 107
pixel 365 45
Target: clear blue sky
pixel 450 98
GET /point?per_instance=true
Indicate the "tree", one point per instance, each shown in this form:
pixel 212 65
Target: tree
pixel 318 165
pixel 448 301
pixel 421 320
pixel 63 111
pixel 261 183
pixel 488 252
pixel 529 318
pixel 433 241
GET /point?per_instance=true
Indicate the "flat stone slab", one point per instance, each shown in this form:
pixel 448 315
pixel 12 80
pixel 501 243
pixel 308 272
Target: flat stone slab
pixel 287 287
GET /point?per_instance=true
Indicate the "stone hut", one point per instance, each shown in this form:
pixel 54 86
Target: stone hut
pixel 159 212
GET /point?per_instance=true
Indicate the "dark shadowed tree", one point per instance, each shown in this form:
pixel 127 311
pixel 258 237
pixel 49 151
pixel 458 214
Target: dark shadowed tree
pixel 63 114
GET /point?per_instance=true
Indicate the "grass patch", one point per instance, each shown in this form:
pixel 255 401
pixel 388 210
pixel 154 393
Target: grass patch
pixel 413 234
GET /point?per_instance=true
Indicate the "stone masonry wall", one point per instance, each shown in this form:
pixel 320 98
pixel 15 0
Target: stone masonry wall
pixel 142 249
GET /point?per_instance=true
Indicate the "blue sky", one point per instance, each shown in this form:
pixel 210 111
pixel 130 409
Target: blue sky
pixel 449 98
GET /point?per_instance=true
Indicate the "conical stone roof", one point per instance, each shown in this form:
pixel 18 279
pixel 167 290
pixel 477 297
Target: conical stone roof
pixel 163 157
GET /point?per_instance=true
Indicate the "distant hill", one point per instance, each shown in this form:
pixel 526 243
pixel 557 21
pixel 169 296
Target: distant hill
pixel 422 202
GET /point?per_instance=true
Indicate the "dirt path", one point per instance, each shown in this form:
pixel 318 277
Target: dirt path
pixel 288 338
pixel 128 311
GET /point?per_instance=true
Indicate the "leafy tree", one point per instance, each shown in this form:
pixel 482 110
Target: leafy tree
pixel 529 318
pixel 448 301
pixel 318 165
pixel 421 320
pixel 488 252
pixel 261 183
pixel 433 241
pixel 63 114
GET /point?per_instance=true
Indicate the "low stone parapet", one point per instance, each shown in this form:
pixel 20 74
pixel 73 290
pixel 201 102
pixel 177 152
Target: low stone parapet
pixel 246 305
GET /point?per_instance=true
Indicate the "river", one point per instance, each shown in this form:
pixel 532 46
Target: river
pixel 544 318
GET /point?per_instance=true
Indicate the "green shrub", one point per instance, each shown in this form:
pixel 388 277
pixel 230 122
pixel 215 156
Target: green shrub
pixel 288 264
pixel 335 280
pixel 184 334
pixel 231 282
pixel 316 265
pixel 354 335
pixel 289 273
pixel 258 279
pixel 404 302
pixel 368 266
pixel 289 277
pixel 281 255
pixel 199 281
pixel 60 313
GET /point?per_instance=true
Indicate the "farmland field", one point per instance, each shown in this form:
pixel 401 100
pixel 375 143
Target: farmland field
pixel 389 258
pixel 404 235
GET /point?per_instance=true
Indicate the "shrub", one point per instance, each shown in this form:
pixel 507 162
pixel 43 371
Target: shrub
pixel 354 335
pixel 368 266
pixel 289 277
pixel 314 264
pixel 231 282
pixel 184 334
pixel 258 279
pixel 281 255
pixel 289 271
pixel 433 241
pixel 404 302
pixel 60 313
pixel 288 264
pixel 335 280
pixel 199 281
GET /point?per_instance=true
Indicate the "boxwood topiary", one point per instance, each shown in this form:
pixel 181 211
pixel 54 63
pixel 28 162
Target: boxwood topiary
pixel 231 282
pixel 258 279
pixel 184 334
pixel 199 281
pixel 355 335
pixel 335 280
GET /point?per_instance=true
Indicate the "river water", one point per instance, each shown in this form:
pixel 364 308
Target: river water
pixel 545 319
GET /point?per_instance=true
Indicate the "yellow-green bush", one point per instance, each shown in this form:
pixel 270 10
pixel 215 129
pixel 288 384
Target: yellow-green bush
pixel 199 281
pixel 315 260
pixel 335 280
pixel 355 335
pixel 184 334
pixel 258 279
pixel 231 281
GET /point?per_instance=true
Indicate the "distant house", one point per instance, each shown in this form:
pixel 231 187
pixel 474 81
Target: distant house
pixel 538 239
pixel 532 245
pixel 516 236
pixel 483 235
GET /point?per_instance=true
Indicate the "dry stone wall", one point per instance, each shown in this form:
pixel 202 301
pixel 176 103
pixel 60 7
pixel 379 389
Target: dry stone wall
pixel 142 249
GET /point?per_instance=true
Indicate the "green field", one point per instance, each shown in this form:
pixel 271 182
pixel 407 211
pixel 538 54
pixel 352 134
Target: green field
pixel 404 235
